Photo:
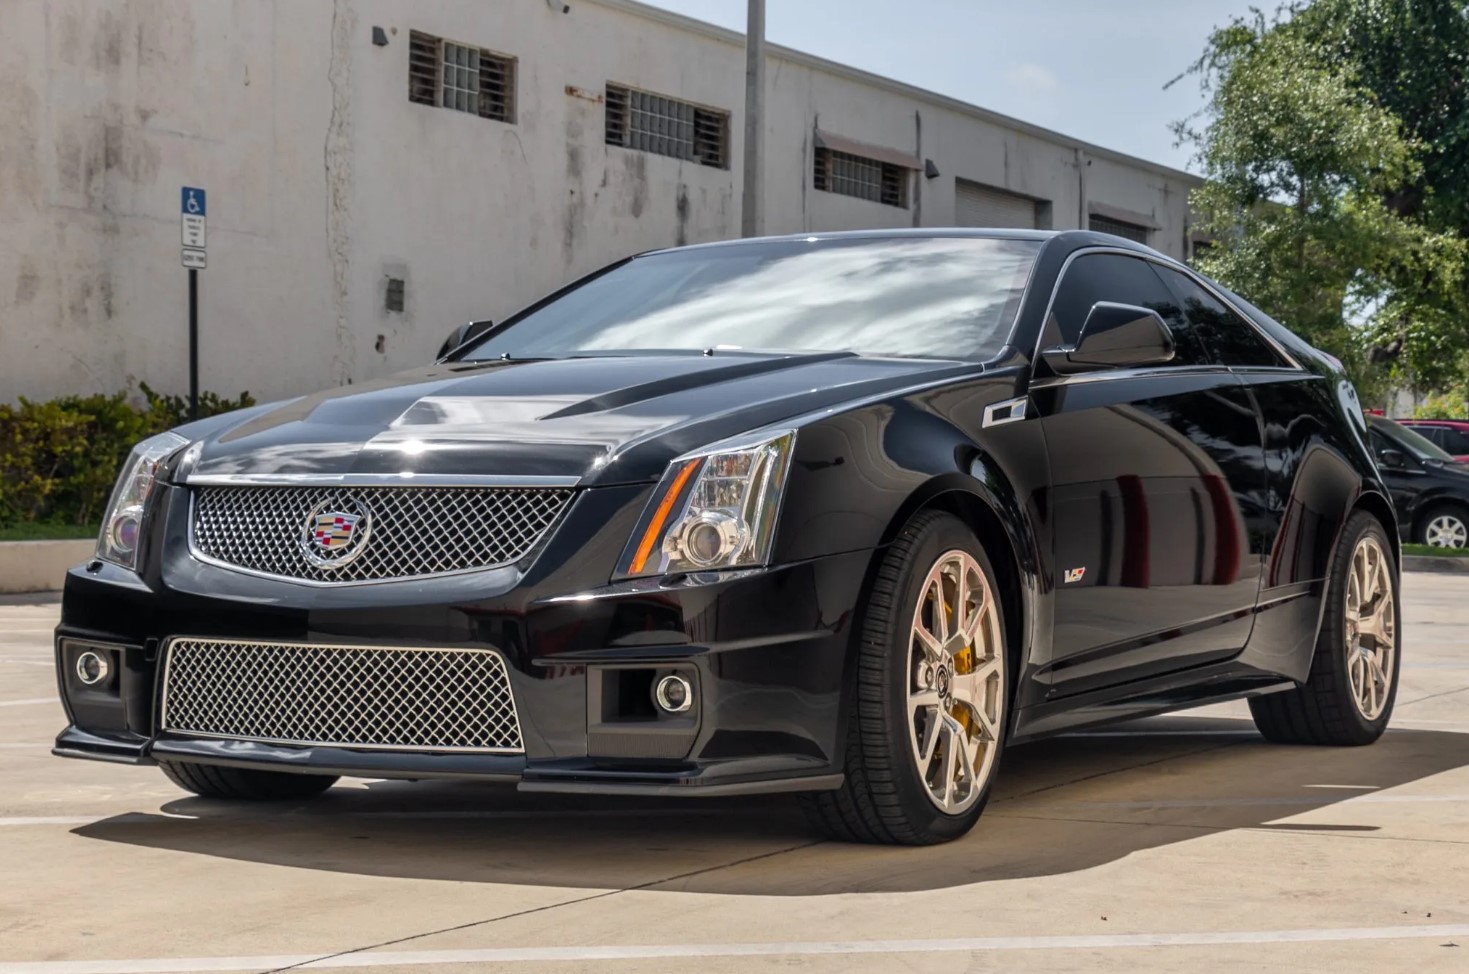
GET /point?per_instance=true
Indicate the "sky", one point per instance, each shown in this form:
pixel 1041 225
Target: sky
pixel 1092 69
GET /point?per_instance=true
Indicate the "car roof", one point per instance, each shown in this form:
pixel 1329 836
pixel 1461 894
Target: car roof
pixel 1068 239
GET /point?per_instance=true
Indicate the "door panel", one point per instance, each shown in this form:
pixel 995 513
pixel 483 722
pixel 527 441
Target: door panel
pixel 1154 566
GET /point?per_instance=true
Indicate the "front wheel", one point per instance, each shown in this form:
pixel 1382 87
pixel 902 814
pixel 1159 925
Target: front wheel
pixel 1348 697
pixel 927 709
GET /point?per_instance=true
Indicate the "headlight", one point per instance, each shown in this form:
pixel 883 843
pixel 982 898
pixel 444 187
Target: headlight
pixel 122 526
pixel 714 509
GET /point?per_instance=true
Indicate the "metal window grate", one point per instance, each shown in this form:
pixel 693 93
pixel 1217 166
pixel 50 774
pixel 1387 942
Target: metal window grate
pixel 868 179
pixel 1118 228
pixel 496 87
pixel 423 68
pixel 667 127
pixel 379 697
pixel 460 77
pixel 410 532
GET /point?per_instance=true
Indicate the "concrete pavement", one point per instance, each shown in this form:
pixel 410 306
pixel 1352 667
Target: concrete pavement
pixel 1179 843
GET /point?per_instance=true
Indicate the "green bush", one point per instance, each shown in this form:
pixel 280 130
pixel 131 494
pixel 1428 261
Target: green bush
pixel 58 459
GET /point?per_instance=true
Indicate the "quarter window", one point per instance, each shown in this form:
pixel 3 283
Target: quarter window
pixel 1232 340
pixel 1122 280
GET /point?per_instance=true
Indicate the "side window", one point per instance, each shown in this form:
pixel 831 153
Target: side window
pixel 1231 339
pixel 1124 280
pixel 1454 441
pixel 1379 442
pixel 1432 434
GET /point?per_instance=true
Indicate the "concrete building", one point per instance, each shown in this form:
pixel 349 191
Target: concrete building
pixel 379 172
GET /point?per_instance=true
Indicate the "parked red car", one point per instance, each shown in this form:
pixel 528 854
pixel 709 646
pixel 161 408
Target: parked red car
pixel 1451 435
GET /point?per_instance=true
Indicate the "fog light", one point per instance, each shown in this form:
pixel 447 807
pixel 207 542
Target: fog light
pixel 92 668
pixel 674 695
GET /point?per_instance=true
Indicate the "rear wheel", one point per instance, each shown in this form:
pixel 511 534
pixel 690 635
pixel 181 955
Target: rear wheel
pixel 1445 526
pixel 242 784
pixel 1349 695
pixel 927 709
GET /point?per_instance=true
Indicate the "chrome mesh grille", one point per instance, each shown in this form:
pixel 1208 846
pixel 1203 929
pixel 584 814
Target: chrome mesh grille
pixel 342 696
pixel 415 531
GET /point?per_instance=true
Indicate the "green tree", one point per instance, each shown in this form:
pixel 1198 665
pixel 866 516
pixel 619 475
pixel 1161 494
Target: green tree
pixel 1308 173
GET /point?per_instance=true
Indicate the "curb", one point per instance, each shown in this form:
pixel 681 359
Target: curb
pixel 1432 563
pixel 39 566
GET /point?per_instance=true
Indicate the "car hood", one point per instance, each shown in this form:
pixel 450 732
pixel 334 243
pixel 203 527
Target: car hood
pixel 603 420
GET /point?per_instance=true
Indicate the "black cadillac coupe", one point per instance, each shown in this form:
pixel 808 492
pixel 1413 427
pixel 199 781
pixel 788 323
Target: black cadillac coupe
pixel 841 514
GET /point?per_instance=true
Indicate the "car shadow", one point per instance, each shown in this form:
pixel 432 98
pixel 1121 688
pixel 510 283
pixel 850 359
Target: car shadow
pixel 1059 806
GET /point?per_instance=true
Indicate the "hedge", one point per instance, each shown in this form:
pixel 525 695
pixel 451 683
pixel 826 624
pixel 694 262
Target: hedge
pixel 59 458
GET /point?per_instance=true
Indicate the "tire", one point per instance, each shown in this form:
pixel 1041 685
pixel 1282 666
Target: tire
pixel 1444 526
pixel 240 784
pixel 1329 708
pixel 903 699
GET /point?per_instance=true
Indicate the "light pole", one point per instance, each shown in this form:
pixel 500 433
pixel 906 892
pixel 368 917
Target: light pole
pixel 752 221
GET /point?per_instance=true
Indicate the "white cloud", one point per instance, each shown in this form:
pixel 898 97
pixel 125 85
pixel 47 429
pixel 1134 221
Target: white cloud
pixel 1031 76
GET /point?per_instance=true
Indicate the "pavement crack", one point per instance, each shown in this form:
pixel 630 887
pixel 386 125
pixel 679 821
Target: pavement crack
pixel 1445 693
pixel 549 906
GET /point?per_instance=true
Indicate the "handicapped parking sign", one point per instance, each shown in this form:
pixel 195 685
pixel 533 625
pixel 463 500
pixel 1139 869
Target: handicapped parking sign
pixel 192 203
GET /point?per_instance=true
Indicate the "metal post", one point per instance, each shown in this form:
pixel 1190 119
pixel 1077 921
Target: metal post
pixel 193 344
pixel 752 223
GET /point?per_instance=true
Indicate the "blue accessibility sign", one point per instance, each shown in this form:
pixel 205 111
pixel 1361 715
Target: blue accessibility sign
pixel 191 201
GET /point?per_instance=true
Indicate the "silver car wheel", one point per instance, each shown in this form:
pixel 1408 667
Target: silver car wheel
pixel 956 682
pixel 1371 627
pixel 1447 531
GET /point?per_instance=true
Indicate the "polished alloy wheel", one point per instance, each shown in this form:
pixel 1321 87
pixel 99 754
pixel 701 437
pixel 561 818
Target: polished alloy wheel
pixel 956 682
pixel 1371 627
pixel 1447 531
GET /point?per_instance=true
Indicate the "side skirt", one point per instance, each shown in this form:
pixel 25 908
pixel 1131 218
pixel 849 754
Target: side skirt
pixel 1179 691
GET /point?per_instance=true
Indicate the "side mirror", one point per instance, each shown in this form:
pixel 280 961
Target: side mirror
pixel 464 333
pixel 1115 336
pixel 1391 459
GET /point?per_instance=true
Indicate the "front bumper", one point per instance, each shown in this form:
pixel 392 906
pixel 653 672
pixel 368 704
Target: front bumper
pixel 765 649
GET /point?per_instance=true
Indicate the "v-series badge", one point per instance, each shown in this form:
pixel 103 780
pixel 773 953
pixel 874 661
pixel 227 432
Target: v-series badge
pixel 1075 574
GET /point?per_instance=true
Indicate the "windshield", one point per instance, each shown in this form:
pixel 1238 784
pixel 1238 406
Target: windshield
pixel 1425 448
pixel 914 297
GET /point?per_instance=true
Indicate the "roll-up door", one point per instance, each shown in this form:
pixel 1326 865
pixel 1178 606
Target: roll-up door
pixel 980 206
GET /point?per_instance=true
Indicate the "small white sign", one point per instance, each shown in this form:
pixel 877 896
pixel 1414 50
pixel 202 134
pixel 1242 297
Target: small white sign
pixel 195 259
pixel 193 230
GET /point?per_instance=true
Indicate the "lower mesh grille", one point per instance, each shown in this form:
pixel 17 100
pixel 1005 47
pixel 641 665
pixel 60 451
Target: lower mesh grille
pixel 341 696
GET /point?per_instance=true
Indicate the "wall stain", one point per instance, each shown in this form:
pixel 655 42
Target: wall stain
pixel 27 282
pixel 337 160
pixel 575 212
pixel 682 206
pixel 637 169
pixel 107 42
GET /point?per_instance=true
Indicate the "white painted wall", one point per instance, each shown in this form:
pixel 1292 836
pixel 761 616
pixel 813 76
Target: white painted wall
pixel 324 180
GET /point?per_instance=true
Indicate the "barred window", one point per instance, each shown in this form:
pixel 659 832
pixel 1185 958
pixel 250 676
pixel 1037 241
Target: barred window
pixel 467 79
pixel 667 127
pixel 868 179
pixel 1118 228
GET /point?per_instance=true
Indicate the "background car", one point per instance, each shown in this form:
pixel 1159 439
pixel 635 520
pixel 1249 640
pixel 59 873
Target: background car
pixel 1429 489
pixel 1449 435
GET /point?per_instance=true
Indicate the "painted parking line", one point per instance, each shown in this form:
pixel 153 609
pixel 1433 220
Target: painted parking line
pixel 520 955
pixel 28 703
pixel 1374 799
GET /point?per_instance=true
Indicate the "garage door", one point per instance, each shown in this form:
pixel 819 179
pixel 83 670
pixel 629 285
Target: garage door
pixel 980 206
